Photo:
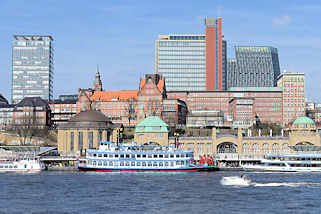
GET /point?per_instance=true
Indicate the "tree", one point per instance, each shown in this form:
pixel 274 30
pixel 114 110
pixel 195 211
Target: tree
pixel 130 109
pixel 27 126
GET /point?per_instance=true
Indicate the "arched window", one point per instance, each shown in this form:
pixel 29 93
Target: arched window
pixel 265 148
pixel 256 148
pixel 245 148
pixel 226 148
pixel 285 148
pixel 275 148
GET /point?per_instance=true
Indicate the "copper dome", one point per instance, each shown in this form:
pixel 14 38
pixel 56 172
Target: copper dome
pixel 89 116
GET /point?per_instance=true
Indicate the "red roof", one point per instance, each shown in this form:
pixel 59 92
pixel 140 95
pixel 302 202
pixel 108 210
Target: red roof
pixel 110 95
pixel 160 84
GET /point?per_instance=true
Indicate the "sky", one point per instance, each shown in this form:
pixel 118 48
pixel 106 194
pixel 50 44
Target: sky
pixel 119 36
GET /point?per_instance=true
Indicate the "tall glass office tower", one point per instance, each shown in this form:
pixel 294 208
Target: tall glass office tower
pixel 193 62
pixel 32 67
pixel 254 66
pixel 180 58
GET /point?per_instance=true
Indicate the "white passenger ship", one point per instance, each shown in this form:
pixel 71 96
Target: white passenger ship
pixel 26 164
pixel 147 157
pixel 299 162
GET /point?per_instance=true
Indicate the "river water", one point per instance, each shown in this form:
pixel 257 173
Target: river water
pixel 158 192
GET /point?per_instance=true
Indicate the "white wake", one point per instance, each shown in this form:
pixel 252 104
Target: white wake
pixel 238 181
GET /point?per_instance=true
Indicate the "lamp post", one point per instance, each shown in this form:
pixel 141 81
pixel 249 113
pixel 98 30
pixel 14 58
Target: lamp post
pixel 176 135
pixel 119 133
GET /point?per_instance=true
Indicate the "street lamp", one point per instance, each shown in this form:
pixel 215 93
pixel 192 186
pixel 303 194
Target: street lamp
pixel 176 135
pixel 119 132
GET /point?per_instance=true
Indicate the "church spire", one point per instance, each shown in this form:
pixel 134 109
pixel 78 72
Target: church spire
pixel 97 83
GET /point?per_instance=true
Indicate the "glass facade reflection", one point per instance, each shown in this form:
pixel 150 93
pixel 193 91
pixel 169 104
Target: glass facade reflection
pixel 181 60
pixel 254 66
pixel 32 67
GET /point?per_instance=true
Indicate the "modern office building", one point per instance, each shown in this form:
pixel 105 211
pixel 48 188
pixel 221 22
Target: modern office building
pixel 254 66
pixel 32 67
pixel 193 62
pixel 231 73
pixel 293 90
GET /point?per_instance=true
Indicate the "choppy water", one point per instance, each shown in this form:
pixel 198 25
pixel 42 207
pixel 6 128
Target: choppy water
pixel 150 192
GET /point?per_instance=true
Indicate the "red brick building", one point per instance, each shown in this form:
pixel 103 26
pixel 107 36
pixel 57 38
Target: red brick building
pixel 124 106
pixel 241 106
pixel 30 111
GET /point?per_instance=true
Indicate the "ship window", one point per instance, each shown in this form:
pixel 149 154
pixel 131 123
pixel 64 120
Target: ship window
pixel 172 156
pixel 177 156
pixel 150 156
pixel 99 163
pixel 133 156
pixel 127 163
pixel 110 163
pixel 172 163
pixel 95 155
pixel 105 155
pixel 10 166
pixel 116 155
pixel 155 156
pixel 149 163
pixel 178 162
pixel 166 163
pixel 7 166
pixel 182 162
pixel 138 156
pixel 1 166
pixel 15 167
pixel 144 156
pixel 160 163
pixel 122 156
pixel 110 155
pixel 121 163
pixel 100 155
pixel 155 164
pixel 166 156
pixel 133 163
pixel 105 163
pixel 138 163
pixel 144 164
pixel 127 156
pixel 161 156
pixel 94 163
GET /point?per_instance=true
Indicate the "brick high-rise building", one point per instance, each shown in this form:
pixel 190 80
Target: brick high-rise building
pixel 215 55
pixel 293 90
pixel 193 62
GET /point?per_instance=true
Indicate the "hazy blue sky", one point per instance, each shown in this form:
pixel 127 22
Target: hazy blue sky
pixel 120 36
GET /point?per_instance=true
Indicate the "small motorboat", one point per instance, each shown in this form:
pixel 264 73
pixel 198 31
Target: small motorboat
pixel 236 181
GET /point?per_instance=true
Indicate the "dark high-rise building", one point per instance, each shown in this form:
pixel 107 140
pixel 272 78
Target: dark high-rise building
pixel 32 67
pixel 254 66
pixel 231 73
pixel 193 62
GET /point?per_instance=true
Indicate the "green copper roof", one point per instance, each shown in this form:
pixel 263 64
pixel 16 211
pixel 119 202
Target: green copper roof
pixel 303 120
pixel 152 124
